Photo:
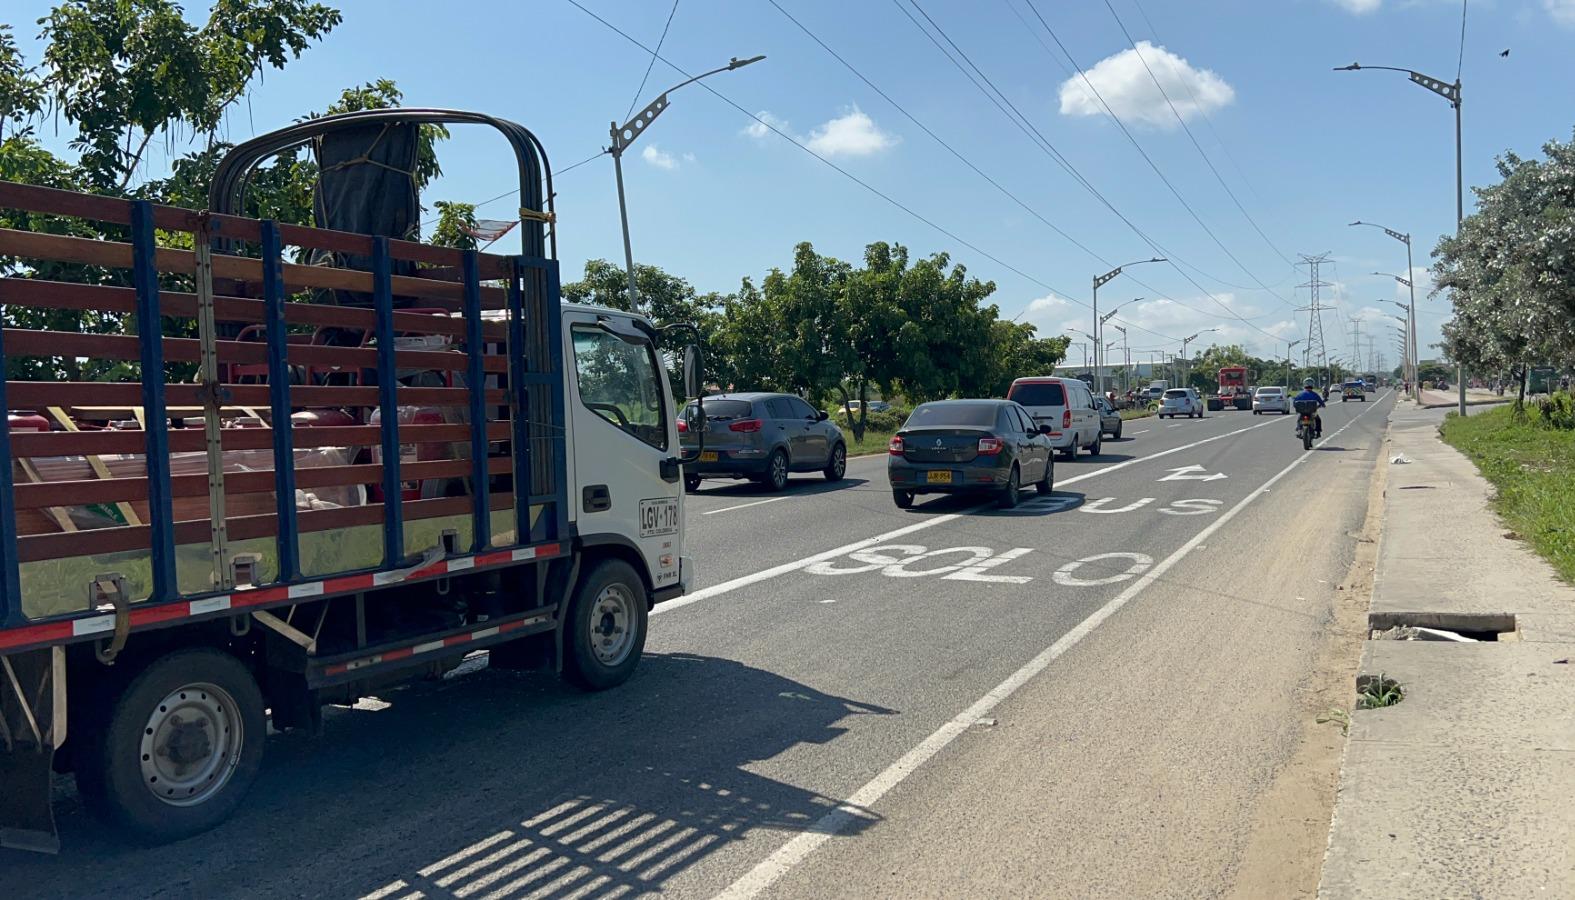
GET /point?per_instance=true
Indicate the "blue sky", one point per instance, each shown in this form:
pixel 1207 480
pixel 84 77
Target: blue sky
pixel 715 197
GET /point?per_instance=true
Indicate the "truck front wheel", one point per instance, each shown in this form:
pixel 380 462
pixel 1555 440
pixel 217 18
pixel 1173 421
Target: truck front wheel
pixel 606 627
pixel 176 750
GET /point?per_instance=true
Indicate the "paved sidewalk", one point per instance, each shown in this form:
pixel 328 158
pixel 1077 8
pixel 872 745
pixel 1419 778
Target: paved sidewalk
pixel 1462 789
pixel 1451 400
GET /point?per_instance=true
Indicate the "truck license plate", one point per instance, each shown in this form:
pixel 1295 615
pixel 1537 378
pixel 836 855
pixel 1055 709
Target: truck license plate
pixel 708 456
pixel 939 477
pixel 658 517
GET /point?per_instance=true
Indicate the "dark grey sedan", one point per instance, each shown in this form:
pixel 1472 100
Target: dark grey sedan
pixel 970 446
pixel 762 437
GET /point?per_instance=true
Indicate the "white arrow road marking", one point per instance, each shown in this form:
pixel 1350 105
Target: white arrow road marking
pixel 1190 473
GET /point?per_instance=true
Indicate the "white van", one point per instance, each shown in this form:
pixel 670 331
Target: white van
pixel 1066 405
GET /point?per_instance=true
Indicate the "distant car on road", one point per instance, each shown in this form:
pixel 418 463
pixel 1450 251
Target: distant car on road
pixel 970 446
pixel 762 437
pixel 1181 402
pixel 1353 390
pixel 1271 399
pixel 1109 419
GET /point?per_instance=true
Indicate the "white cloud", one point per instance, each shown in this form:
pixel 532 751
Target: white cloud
pixel 1561 11
pixel 1124 83
pixel 1363 7
pixel 689 157
pixel 658 157
pixel 851 134
pixel 759 130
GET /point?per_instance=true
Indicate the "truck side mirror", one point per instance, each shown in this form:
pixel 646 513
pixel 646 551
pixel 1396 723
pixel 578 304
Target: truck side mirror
pixel 694 379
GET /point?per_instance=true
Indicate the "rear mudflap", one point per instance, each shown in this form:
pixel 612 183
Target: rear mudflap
pixel 32 727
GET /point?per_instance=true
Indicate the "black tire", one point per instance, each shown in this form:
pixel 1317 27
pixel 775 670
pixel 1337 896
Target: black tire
pixel 605 632
pixel 136 729
pixel 1013 491
pixel 691 483
pixel 1046 484
pixel 837 466
pixel 1071 450
pixel 1098 445
pixel 903 499
pixel 1307 438
pixel 776 477
pixel 1117 435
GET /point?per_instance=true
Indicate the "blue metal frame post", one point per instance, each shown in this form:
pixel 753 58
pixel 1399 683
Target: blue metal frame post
pixel 554 319
pixel 10 580
pixel 520 415
pixel 279 402
pixel 388 403
pixel 476 376
pixel 150 337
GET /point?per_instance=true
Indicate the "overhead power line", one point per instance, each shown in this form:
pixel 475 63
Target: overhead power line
pixel 1183 123
pixel 1169 185
pixel 958 154
pixel 844 172
pixel 652 63
pixel 1017 118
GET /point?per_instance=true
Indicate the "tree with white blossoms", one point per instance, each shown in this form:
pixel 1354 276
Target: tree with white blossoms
pixel 1511 268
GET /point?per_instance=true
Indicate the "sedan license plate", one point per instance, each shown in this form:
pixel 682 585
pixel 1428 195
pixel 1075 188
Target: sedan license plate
pixel 708 456
pixel 938 477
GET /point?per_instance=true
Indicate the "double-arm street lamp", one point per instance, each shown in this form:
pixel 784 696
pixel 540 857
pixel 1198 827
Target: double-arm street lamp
pixel 1098 322
pixel 1409 284
pixel 1451 93
pixel 1187 340
pixel 624 136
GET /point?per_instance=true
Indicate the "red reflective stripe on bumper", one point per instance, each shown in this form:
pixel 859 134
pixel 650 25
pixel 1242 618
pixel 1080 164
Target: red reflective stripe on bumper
pixel 36 634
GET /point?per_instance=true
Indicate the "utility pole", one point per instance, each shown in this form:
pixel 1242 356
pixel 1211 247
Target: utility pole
pixel 1316 350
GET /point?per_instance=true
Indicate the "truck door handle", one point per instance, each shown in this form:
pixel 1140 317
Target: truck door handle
pixel 596 498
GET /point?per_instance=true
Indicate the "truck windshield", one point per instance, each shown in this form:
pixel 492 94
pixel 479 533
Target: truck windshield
pixel 619 382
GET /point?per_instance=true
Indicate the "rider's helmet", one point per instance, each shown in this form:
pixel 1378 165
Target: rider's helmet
pixel 1307 383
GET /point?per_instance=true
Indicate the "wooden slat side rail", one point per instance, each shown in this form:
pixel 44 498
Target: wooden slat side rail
pixel 110 254
pixel 32 198
pixel 189 440
pixel 33 548
pixel 31 342
pixel 35 394
pixel 108 298
pixel 48 494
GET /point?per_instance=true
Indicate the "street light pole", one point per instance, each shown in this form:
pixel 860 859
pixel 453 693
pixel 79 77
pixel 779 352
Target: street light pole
pixel 1451 93
pixel 1126 360
pixel 1098 322
pixel 1290 373
pixel 624 136
pixel 1409 336
pixel 1411 287
pixel 1184 342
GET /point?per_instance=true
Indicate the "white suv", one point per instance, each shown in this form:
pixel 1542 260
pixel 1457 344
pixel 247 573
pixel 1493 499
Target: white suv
pixel 1181 402
pixel 1067 406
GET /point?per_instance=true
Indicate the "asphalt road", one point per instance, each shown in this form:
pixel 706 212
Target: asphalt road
pixel 1089 695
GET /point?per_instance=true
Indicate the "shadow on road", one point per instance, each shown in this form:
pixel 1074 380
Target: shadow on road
pixel 491 784
pixel 1032 504
pixel 802 486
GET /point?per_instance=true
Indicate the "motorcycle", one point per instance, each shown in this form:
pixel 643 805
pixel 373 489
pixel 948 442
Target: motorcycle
pixel 1306 423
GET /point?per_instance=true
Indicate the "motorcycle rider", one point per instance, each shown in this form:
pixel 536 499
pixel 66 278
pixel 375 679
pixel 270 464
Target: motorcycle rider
pixel 1310 394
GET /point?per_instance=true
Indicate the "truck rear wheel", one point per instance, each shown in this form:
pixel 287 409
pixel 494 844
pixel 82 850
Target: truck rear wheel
pixel 606 627
pixel 174 753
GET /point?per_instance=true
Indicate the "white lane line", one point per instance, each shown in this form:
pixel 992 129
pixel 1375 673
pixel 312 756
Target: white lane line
pixel 1144 431
pixel 846 813
pixel 717 590
pixel 724 509
pixel 1176 425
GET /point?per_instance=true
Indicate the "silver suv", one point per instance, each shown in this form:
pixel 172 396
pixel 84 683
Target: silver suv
pixel 762 437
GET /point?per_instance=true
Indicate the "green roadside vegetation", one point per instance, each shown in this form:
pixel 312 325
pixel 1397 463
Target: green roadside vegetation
pixel 875 441
pixel 1530 459
pixel 1138 412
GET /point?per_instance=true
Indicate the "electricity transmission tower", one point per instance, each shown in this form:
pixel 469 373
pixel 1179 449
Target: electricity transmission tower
pixel 1315 353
